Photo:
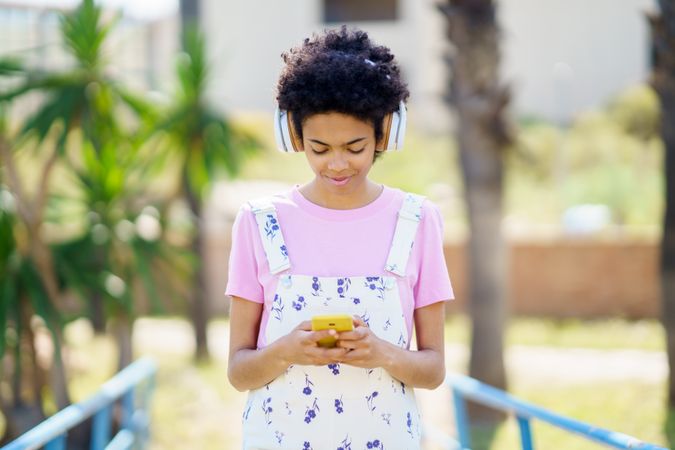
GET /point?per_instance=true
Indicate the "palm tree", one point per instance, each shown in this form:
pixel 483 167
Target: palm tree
pixel 663 81
pixel 206 146
pixel 480 100
pixel 79 127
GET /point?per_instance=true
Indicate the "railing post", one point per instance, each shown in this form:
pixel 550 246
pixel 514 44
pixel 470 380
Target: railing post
pixel 100 432
pixel 128 410
pixel 462 420
pixel 58 443
pixel 525 432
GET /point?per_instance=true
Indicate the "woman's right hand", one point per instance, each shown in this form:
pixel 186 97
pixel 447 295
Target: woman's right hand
pixel 300 346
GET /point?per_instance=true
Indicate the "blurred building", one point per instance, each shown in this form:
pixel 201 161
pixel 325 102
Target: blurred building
pixel 559 56
pixel 140 51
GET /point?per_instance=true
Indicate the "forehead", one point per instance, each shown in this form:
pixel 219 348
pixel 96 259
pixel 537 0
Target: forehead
pixel 335 126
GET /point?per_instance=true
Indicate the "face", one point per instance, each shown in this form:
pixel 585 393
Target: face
pixel 340 150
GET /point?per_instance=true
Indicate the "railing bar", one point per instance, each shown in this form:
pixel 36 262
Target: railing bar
pixel 525 433
pixel 122 441
pixel 71 416
pixel 495 398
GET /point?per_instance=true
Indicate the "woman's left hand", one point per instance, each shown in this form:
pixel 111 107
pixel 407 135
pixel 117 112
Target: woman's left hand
pixel 365 349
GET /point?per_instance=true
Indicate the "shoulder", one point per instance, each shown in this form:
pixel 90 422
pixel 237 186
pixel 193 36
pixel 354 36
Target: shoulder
pixel 267 203
pixel 419 203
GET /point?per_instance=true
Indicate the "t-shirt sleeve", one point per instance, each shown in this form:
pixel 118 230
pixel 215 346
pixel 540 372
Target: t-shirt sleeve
pixel 433 282
pixel 242 280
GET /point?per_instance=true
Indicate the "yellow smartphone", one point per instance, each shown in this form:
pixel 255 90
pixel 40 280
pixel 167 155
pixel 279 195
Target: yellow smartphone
pixel 338 322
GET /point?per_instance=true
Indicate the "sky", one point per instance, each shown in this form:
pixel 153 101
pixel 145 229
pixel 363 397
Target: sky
pixel 138 9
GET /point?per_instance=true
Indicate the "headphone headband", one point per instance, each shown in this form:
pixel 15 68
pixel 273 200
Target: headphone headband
pixel 393 130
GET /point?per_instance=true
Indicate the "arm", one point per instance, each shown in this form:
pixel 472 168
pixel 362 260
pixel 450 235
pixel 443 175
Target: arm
pixel 424 368
pixel 251 368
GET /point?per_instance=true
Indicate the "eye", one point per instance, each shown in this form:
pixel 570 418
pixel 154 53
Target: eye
pixel 318 152
pixel 358 151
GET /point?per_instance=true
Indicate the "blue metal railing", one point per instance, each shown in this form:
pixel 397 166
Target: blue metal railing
pixel 132 386
pixel 464 388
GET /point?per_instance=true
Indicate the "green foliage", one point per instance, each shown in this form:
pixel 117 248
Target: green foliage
pixel 204 142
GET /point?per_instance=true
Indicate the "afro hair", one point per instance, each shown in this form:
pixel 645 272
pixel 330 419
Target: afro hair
pixel 343 71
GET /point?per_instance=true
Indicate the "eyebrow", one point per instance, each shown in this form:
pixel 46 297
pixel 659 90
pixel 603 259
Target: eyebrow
pixel 353 141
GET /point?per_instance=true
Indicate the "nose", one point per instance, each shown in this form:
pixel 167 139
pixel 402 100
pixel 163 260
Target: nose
pixel 338 162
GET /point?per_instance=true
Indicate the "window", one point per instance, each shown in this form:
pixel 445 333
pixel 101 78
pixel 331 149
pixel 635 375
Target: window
pixel 359 10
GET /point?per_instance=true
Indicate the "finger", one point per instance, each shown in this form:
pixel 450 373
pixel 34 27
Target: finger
pixel 357 334
pixel 305 326
pixel 348 345
pixel 317 335
pixel 358 321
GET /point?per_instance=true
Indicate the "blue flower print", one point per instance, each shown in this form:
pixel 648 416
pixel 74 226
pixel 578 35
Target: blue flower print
pixel 278 308
pixel 408 423
pixel 366 318
pixel 310 413
pixel 376 284
pixel 356 300
pixel 316 287
pixel 288 408
pixel 375 444
pixel 387 418
pixel 308 383
pixel 271 227
pixel 343 286
pixel 279 435
pixel 339 406
pixel 335 368
pixel 248 410
pixel 346 444
pixel 402 387
pixel 300 303
pixel 284 251
pixel 401 341
pixel 371 401
pixel 267 409
pixel 306 446
pixel 387 324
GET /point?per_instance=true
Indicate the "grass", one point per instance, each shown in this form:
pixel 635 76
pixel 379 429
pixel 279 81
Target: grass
pixel 195 407
pixel 597 334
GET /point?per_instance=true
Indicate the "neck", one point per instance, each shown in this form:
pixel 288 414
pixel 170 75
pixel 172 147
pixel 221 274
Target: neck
pixel 358 197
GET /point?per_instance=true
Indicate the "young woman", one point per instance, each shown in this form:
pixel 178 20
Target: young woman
pixel 340 243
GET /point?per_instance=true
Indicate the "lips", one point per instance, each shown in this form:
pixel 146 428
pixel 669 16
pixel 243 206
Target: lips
pixel 340 181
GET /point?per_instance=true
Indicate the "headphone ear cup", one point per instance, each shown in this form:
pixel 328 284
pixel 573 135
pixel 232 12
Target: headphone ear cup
pixel 394 128
pixel 284 132
pixel 281 131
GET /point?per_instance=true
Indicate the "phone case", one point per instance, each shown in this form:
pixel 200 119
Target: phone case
pixel 338 322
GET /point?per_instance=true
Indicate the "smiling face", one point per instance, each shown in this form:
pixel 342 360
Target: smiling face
pixel 340 150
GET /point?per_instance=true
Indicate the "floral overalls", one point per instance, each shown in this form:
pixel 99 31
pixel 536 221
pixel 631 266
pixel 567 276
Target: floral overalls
pixel 337 406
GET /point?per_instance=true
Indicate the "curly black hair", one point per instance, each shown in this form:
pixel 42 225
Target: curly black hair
pixel 343 71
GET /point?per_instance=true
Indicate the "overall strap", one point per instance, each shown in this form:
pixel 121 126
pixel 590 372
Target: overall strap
pixel 409 217
pixel 270 234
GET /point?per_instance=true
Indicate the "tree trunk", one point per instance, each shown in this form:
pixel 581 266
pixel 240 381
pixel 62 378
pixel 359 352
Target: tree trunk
pixel 199 305
pixel 189 11
pixel 122 327
pixel 479 101
pixel 663 81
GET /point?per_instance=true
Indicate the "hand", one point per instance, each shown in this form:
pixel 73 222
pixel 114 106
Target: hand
pixel 364 348
pixel 300 346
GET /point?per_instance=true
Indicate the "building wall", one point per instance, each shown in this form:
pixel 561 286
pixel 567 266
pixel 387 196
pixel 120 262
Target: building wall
pixel 560 56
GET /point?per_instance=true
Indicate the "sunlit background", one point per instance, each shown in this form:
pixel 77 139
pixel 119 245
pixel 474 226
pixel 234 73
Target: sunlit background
pixel 135 156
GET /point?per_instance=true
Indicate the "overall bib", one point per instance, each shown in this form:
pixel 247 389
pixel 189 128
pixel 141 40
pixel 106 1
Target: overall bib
pixel 338 406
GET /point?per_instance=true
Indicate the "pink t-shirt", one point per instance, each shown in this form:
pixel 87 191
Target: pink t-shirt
pixel 339 243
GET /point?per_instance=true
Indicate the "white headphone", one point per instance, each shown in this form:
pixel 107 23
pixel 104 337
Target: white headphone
pixel 393 130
